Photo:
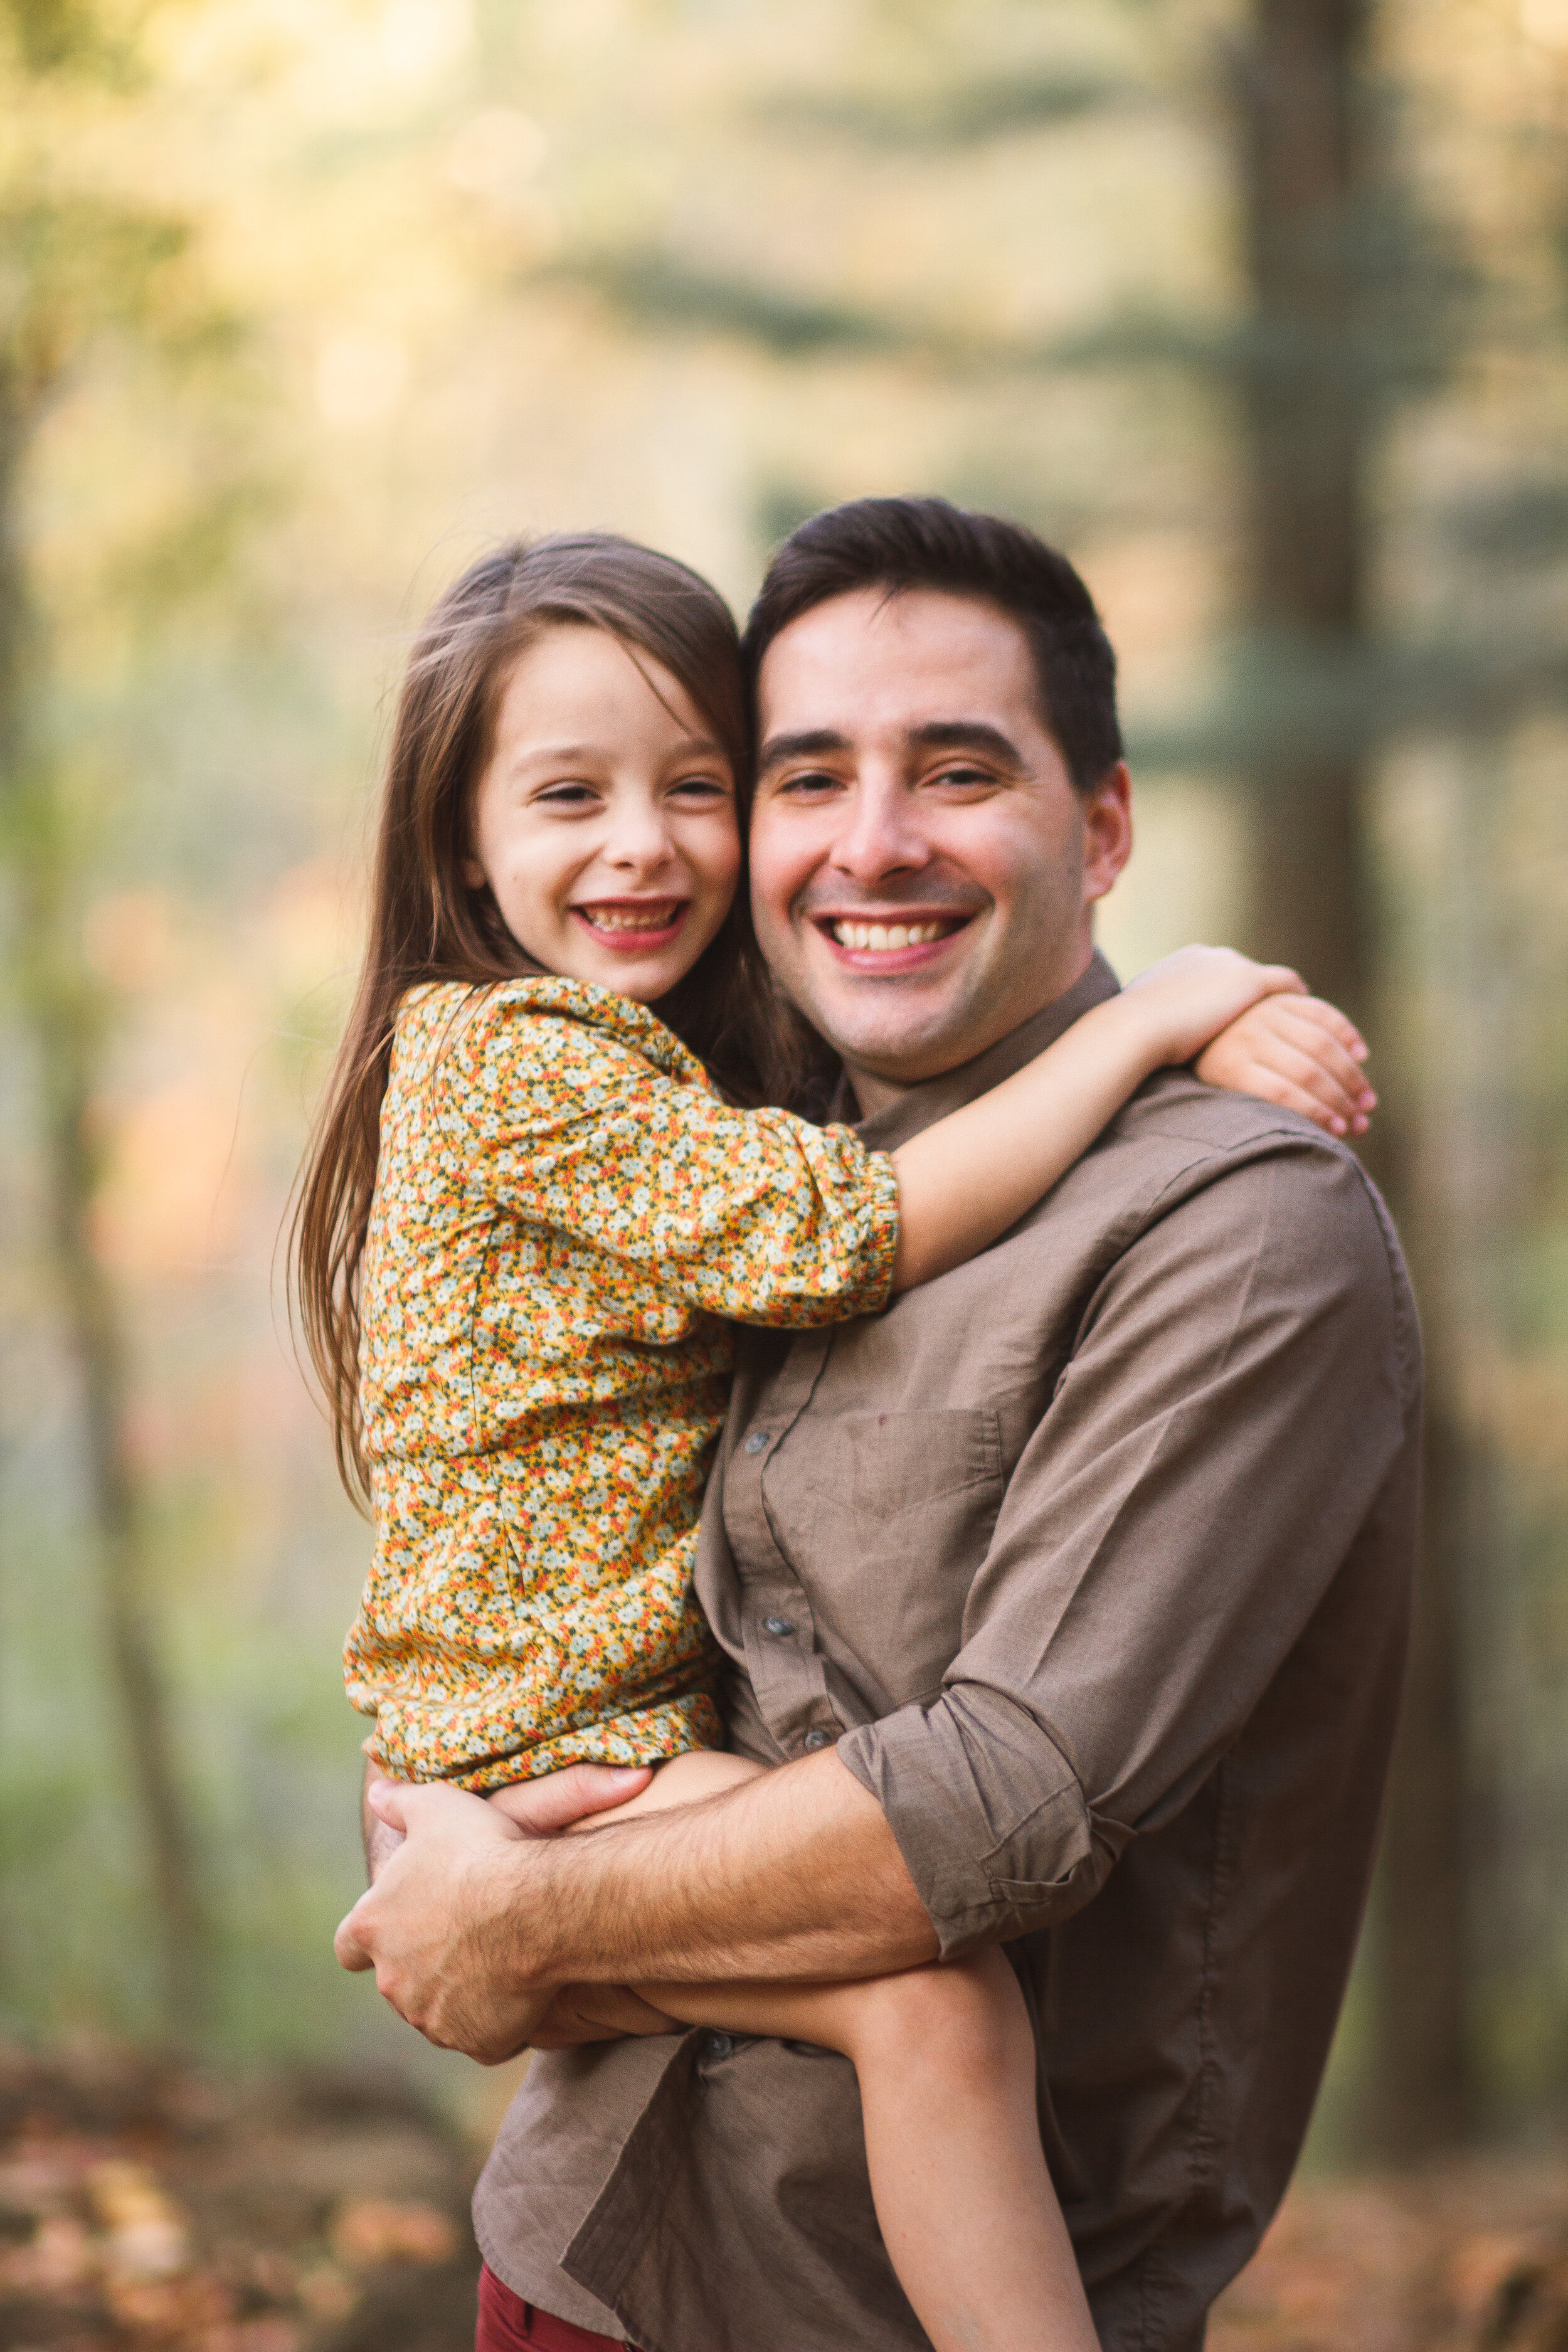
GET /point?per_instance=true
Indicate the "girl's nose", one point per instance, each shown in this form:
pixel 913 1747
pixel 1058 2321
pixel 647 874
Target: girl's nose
pixel 638 840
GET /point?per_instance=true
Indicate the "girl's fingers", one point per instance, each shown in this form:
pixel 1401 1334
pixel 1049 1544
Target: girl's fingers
pixel 1295 1050
pixel 1273 1086
pixel 1316 1030
pixel 1306 1076
pixel 1328 1016
pixel 1318 1046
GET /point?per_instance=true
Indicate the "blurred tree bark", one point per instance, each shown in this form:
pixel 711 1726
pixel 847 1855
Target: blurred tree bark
pixel 77 270
pixel 1313 408
pixel 1309 433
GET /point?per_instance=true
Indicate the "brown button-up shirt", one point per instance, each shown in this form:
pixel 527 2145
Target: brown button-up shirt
pixel 1094 1557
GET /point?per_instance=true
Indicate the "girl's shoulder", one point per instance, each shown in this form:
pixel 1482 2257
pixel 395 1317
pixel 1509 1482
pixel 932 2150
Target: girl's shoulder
pixel 545 1017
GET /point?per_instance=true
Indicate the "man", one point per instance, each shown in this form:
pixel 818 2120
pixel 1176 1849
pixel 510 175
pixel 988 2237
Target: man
pixel 1069 1596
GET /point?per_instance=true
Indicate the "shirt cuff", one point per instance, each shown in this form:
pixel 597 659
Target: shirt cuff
pixel 989 1815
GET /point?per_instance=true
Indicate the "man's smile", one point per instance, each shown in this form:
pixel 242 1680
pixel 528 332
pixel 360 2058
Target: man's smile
pixel 887 939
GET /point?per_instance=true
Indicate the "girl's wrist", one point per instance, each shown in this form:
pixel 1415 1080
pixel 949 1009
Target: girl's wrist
pixel 1132 1025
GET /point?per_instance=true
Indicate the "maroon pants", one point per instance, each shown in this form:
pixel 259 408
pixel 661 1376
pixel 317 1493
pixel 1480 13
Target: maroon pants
pixel 506 2323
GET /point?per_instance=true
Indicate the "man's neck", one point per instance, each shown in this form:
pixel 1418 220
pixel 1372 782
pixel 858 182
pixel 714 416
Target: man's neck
pixel 872 1093
pixel 877 1090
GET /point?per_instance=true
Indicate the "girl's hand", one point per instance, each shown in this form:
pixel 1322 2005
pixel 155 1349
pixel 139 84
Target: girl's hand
pixel 1186 999
pixel 558 1800
pixel 1297 1051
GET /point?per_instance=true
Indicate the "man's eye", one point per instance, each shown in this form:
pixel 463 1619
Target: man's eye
pixel 813 780
pixel 965 778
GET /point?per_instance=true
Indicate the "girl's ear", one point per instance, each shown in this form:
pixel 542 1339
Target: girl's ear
pixel 473 873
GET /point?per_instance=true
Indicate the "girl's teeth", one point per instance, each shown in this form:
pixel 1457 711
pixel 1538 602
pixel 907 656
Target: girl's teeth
pixel 886 938
pixel 606 918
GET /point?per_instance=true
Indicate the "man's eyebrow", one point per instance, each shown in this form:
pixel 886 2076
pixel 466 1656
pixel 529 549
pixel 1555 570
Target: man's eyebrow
pixel 804 745
pixel 967 735
pixel 933 735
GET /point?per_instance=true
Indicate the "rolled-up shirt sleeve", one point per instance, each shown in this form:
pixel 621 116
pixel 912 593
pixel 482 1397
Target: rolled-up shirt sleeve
pixel 1241 1392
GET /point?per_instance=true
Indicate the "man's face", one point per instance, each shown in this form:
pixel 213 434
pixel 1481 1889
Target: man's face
pixel 923 869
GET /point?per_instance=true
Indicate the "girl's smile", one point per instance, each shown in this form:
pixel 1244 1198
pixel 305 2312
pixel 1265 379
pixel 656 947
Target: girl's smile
pixel 604 820
pixel 633 926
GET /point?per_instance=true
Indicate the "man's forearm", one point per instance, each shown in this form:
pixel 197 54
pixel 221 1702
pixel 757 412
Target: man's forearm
pixel 796 1875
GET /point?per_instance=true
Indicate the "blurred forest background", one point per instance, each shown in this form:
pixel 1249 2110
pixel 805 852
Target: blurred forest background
pixel 1258 307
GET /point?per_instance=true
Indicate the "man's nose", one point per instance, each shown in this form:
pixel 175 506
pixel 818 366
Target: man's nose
pixel 882 833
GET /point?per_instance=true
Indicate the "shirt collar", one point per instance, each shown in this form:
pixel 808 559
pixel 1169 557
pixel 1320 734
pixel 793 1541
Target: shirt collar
pixel 932 1098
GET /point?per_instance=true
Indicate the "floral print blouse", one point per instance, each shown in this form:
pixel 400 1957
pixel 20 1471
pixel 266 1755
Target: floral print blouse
pixel 566 1214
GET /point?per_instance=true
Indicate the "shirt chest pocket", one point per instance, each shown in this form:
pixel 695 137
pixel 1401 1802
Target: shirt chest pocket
pixel 897 1511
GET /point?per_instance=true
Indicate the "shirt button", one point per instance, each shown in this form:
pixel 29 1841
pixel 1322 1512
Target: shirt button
pixel 818 1740
pixel 778 1626
pixel 721 2045
pixel 758 1441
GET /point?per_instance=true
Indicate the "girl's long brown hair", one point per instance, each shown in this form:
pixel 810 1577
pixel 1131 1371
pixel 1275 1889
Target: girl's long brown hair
pixel 428 924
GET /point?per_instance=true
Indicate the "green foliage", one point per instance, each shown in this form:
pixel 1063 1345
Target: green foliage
pixel 70 39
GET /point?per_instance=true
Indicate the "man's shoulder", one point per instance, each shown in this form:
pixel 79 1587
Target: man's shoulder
pixel 1176 1124
pixel 1221 1206
pixel 1174 1104
pixel 1182 1153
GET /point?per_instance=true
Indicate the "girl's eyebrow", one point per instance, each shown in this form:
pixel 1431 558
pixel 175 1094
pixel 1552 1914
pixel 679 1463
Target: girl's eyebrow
pixel 688 746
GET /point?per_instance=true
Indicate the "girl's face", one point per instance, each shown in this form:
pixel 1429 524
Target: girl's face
pixel 605 823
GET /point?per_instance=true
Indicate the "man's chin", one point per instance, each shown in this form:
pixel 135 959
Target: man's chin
pixel 898 1026
pixel 897 1035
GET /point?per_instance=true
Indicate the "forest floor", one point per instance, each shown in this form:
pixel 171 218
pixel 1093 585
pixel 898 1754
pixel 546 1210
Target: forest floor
pixel 1470 2256
pixel 147 2209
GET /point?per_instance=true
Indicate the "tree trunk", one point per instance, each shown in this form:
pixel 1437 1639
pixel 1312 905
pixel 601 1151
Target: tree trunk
pixel 1307 447
pixel 62 1002
pixel 1312 425
pixel 1419 2097
pixel 65 1027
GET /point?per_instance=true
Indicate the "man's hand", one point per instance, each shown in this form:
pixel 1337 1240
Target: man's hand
pixel 476 1924
pixel 438 1925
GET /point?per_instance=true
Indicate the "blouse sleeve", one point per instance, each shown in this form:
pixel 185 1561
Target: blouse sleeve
pixel 754 1215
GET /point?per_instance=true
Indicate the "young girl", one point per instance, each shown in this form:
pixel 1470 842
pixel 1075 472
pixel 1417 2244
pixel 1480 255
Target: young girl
pixel 533 1204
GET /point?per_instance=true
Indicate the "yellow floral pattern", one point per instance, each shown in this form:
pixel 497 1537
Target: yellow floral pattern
pixel 565 1213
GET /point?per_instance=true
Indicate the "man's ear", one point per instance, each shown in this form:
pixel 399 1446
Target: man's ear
pixel 1107 831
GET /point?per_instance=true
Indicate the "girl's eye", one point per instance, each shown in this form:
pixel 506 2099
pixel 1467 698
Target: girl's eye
pixel 566 795
pixel 702 788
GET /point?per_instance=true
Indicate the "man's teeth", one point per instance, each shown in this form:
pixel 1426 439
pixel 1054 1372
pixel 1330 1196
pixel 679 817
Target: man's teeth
pixel 884 937
pixel 627 918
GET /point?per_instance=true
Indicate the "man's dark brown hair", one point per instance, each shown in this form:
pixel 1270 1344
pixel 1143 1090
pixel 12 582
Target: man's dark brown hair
pixel 896 544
